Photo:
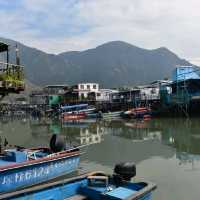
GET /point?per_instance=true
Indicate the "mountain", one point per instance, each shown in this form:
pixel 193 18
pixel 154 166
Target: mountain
pixel 119 63
pixel 112 64
pixel 40 68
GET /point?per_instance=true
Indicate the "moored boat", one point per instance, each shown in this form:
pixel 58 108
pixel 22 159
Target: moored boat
pixel 79 108
pixel 94 115
pixel 73 116
pixel 22 167
pixel 111 115
pixel 93 186
pixel 76 112
pixel 140 112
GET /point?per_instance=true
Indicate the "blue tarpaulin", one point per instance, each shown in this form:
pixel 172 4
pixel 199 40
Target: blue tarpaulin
pixel 186 72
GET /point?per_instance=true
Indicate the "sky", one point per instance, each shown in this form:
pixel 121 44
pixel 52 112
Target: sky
pixel 55 26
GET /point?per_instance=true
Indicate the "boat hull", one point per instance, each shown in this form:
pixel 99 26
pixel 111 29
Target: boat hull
pixel 78 186
pixel 138 113
pixel 111 115
pixel 31 174
pixel 74 117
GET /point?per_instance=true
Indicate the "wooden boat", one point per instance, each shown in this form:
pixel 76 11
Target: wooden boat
pixel 76 112
pixel 112 115
pixel 140 112
pixel 91 186
pixel 94 115
pixel 73 116
pixel 22 167
pixel 79 108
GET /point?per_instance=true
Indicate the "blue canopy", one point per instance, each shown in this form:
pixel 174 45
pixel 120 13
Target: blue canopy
pixel 186 72
pixel 74 107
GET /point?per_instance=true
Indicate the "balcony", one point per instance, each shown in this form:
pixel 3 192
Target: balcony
pixel 11 78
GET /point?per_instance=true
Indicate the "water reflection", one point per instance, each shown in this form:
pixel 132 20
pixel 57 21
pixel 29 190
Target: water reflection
pixel 158 137
pixel 136 130
pixel 127 143
pixel 184 136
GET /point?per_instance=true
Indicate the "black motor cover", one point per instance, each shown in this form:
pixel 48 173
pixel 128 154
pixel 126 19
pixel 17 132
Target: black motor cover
pixel 126 170
pixel 57 143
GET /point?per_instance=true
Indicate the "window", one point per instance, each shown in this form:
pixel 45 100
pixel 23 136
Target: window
pixel 94 86
pixel 88 87
pixel 82 96
pixel 153 91
pixel 82 87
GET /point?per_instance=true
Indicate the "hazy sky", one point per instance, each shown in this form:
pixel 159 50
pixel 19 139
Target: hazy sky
pixel 62 25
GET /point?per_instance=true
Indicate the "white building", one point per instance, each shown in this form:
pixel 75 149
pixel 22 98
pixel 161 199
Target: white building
pixel 152 91
pixel 85 88
pixel 149 92
pixel 105 94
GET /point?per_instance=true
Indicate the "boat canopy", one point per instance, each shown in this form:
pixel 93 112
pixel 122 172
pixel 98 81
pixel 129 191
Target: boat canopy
pixel 3 47
pixel 74 107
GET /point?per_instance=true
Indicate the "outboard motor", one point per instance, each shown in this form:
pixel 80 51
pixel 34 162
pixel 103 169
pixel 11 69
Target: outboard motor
pixel 125 171
pixel 57 143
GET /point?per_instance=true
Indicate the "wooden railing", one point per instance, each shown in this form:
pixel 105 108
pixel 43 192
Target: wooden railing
pixel 11 77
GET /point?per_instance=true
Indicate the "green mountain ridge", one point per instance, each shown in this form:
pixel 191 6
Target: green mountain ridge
pixel 111 64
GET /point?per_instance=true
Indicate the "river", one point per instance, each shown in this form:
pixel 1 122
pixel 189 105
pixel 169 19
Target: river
pixel 166 151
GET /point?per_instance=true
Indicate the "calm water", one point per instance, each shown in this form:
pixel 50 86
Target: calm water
pixel 166 151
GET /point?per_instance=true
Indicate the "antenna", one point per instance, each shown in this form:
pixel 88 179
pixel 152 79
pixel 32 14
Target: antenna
pixel 17 55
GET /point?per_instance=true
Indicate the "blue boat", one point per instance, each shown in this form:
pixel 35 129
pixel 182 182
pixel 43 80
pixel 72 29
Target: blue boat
pixel 91 186
pixel 22 167
pixel 79 108
pixel 112 115
pixel 94 115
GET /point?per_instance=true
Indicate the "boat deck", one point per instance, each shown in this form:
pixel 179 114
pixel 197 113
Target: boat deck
pixel 13 156
pixel 77 197
pixel 5 162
